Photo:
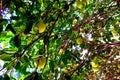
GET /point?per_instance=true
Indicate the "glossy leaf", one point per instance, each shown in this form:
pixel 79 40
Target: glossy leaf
pixel 60 39
pixel 41 26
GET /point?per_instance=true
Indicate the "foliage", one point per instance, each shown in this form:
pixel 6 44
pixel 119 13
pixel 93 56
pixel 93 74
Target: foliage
pixel 60 39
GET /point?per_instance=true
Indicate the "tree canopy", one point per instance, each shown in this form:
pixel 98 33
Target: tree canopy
pixel 60 39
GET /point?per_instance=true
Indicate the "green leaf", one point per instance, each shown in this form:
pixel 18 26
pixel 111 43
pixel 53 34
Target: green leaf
pixel 21 68
pixel 66 21
pixel 9 65
pixel 58 42
pixel 51 65
pixel 5 57
pixel 6 77
pixel 66 57
pixel 34 76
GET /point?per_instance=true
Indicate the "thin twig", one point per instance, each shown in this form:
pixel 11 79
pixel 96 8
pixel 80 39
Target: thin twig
pixel 110 57
pixel 105 46
pixel 94 18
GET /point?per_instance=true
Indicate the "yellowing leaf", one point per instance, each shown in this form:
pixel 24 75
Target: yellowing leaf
pixel 65 71
pixel 95 69
pixel 103 60
pixel 115 33
pixel 94 64
pixel 41 62
pixel 79 41
pixel 118 66
pixel 61 52
pixel 41 26
pixel 81 4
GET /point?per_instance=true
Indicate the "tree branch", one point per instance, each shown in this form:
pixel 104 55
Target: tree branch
pixel 95 18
